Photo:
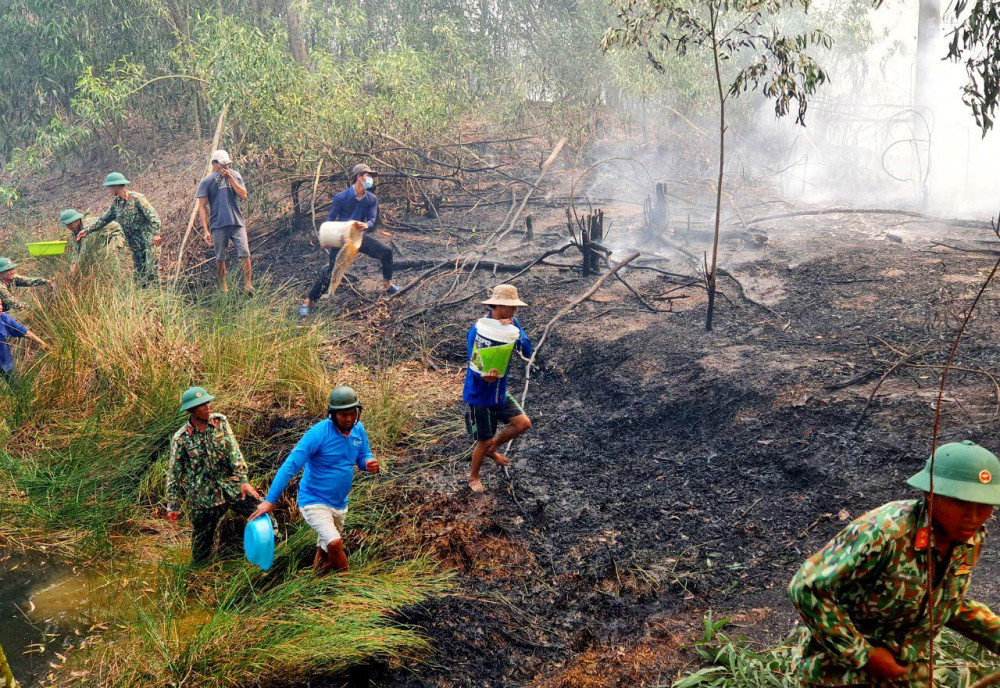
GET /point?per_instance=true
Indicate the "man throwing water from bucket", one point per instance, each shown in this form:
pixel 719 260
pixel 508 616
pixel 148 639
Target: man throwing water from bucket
pixel 357 203
pixel 327 455
pixel 490 344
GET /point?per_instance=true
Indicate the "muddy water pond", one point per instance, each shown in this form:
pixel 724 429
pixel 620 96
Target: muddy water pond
pixel 44 603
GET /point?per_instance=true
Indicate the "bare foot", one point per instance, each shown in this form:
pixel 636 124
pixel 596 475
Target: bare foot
pixel 475 484
pixel 500 459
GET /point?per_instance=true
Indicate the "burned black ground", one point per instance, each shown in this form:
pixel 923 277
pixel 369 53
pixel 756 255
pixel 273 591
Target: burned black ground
pixel 669 470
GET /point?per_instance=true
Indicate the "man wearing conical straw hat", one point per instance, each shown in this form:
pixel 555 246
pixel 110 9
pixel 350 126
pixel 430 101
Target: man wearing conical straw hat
pixel 486 385
pixel 863 597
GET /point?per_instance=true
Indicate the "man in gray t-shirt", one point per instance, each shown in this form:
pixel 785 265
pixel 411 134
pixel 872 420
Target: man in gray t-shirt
pixel 221 192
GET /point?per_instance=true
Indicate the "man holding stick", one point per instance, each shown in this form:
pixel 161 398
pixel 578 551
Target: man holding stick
pixel 219 196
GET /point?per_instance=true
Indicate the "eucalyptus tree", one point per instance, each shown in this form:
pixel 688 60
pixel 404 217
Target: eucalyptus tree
pixel 976 41
pixel 747 51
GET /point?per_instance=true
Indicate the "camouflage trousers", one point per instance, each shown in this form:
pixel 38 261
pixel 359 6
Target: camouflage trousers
pixel 204 523
pixel 145 258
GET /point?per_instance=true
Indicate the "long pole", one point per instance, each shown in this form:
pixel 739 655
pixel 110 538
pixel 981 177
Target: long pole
pixel 711 277
pixel 930 494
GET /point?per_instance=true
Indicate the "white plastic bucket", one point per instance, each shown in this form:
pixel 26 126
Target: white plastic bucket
pixel 493 346
pixel 336 234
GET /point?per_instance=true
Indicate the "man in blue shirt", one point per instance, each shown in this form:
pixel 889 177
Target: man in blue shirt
pixel 357 203
pixel 489 402
pixel 328 453
pixel 12 328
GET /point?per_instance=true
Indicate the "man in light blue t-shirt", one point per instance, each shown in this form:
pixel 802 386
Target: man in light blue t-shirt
pixel 327 456
pixel 219 197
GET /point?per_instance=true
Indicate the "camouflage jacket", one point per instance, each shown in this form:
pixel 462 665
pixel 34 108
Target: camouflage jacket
pixel 6 678
pixel 111 237
pixel 136 216
pixel 6 293
pixel 208 465
pixel 867 588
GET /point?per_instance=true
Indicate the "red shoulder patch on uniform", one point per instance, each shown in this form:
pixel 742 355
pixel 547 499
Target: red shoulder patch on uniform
pixel 923 538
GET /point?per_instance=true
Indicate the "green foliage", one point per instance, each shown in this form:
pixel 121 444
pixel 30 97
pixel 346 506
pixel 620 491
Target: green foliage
pixel 85 435
pixel 741 34
pixel 976 40
pixel 239 626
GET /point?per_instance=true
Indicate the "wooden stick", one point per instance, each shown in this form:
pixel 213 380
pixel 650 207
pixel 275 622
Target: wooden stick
pixel 319 168
pixel 194 210
pixel 930 471
pixel 566 309
pixel 541 175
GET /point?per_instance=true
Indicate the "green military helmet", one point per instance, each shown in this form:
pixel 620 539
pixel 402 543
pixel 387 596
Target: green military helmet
pixel 7 264
pixel 343 398
pixel 194 396
pixel 69 216
pixel 116 179
pixel 962 470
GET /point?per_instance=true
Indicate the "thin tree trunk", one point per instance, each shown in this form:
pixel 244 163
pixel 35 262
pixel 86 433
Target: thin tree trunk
pixel 722 165
pixel 296 42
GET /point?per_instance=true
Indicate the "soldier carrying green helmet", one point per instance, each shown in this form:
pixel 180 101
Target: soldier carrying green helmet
pixel 862 597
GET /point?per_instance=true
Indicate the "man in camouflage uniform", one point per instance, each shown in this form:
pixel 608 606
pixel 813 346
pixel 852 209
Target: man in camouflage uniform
pixel 206 459
pixel 93 249
pixel 863 596
pixel 10 279
pixel 138 220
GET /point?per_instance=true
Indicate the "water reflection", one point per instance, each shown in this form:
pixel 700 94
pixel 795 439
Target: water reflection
pixel 44 607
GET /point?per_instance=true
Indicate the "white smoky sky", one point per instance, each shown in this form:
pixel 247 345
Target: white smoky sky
pixel 865 144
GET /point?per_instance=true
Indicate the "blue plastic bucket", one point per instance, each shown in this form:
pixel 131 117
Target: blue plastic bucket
pixel 258 541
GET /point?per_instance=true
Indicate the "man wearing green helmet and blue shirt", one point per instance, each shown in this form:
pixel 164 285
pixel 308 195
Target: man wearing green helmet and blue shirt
pixel 327 456
pixel 138 219
pixel 92 248
pixel 207 464
pixel 863 596
pixel 9 279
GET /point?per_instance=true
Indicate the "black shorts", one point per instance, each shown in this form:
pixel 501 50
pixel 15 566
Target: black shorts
pixel 482 421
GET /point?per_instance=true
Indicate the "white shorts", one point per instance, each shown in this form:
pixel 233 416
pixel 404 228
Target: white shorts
pixel 325 520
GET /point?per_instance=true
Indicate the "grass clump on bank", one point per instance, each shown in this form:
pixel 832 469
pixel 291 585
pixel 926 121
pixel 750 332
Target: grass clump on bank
pixel 735 663
pixel 85 438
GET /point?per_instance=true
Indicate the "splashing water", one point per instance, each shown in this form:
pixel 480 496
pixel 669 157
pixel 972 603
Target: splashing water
pixel 345 256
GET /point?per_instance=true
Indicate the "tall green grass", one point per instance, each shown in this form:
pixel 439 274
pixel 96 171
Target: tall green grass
pixel 91 417
pixel 85 436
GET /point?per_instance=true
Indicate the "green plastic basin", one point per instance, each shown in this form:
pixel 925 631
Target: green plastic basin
pixel 47 248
